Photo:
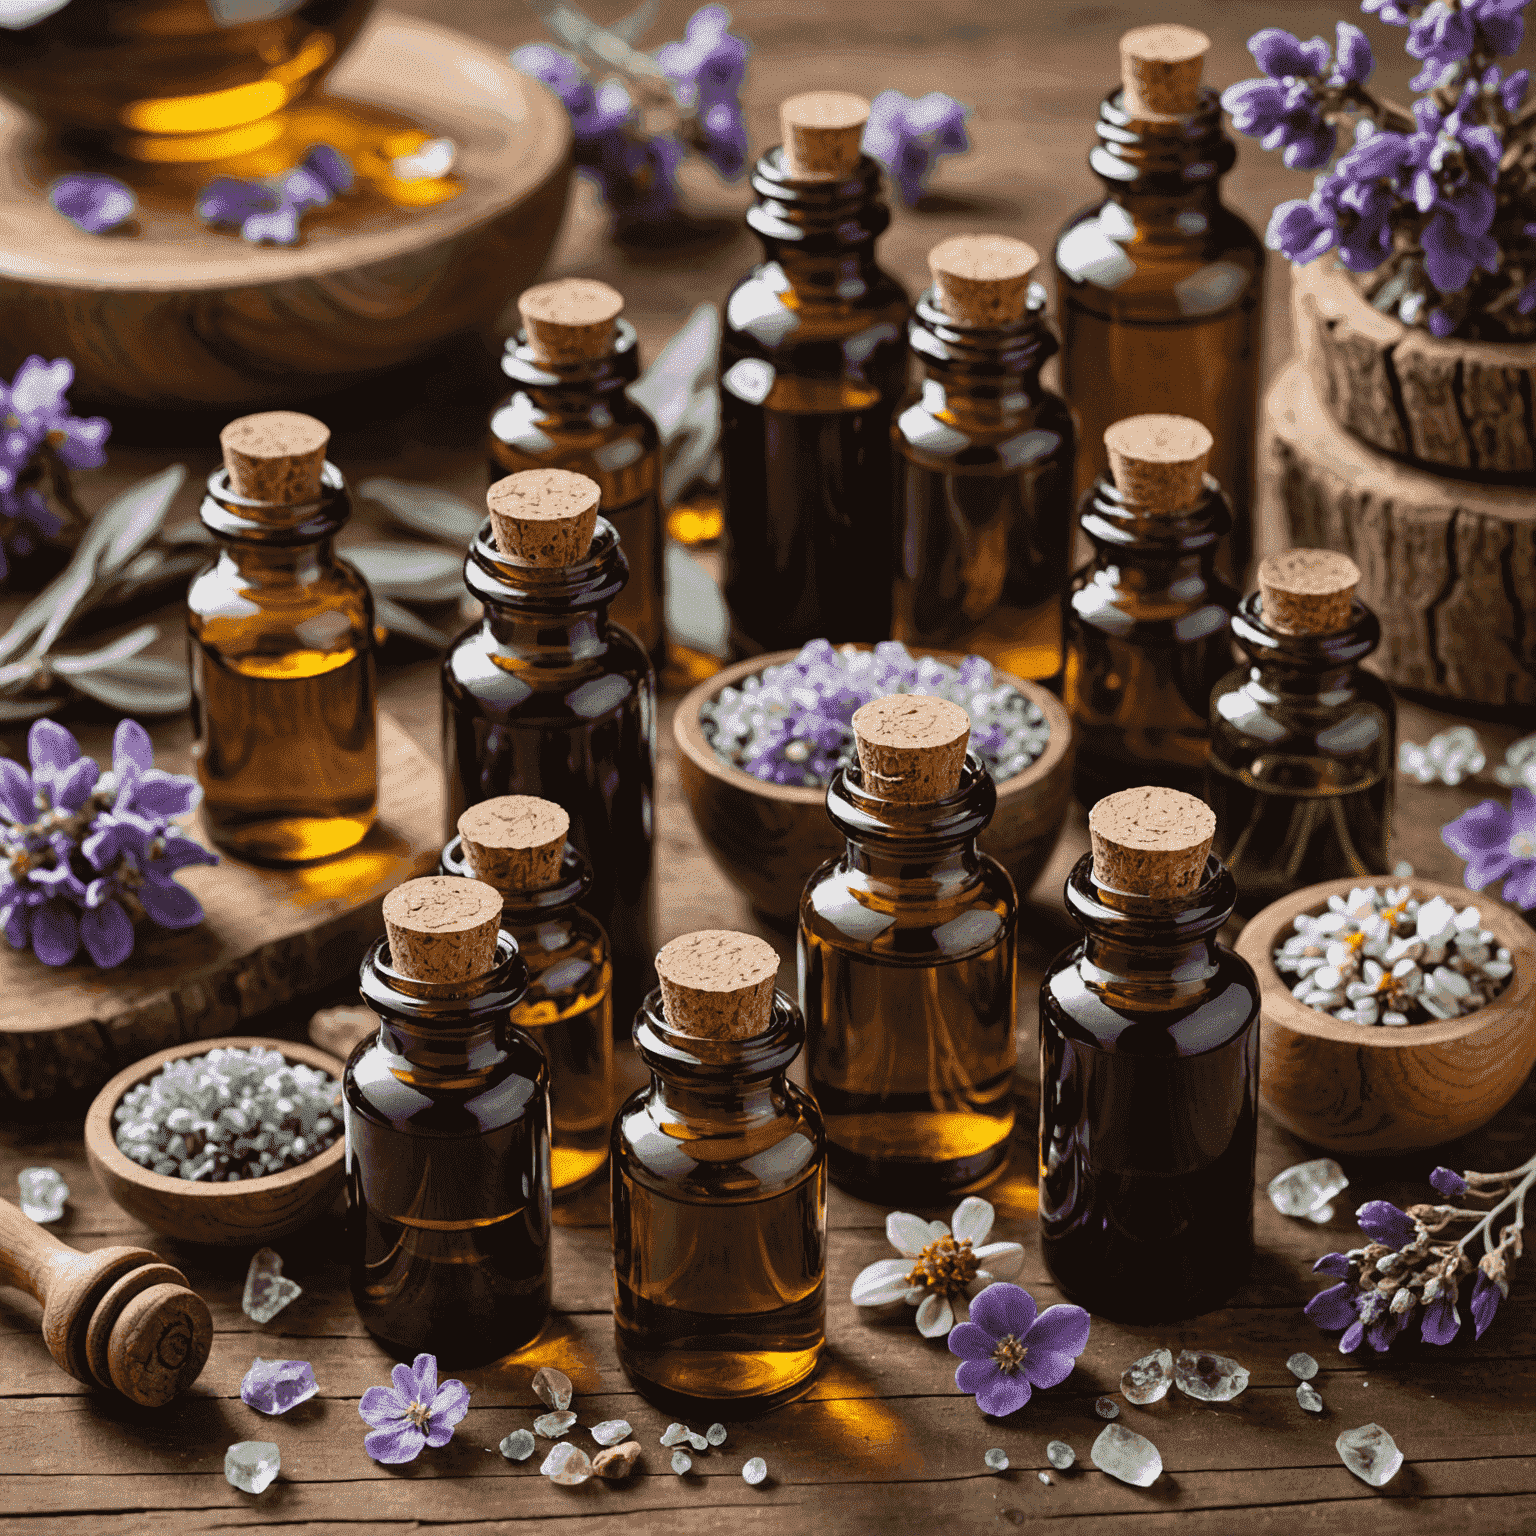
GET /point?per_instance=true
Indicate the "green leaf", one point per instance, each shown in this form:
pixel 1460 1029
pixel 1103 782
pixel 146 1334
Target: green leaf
pixel 27 709
pixel 425 509
pixel 142 685
pixel 119 650
pixel 418 573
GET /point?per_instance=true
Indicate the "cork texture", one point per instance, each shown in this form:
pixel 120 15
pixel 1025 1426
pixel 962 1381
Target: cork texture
pixel 1158 462
pixel 1160 70
pixel 544 517
pixel 823 135
pixel 983 280
pixel 570 321
pixel 1308 591
pixel 515 842
pixel 717 985
pixel 911 747
pixel 275 456
pixel 1151 842
pixel 441 928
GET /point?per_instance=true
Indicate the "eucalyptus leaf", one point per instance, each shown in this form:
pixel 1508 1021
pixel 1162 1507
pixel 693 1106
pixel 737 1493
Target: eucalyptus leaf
pixel 425 509
pixel 135 517
pixel 417 572
pixel 679 391
pixel 696 613
pixel 142 685
pixel 639 21
pixel 27 709
pixel 120 650
pixel 401 621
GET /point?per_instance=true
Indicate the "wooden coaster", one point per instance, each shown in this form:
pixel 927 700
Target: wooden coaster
pixel 544 517
pixel 911 746
pixel 1151 842
pixel 983 280
pixel 823 135
pixel 515 842
pixel 1308 591
pixel 1158 462
pixel 717 985
pixel 570 321
pixel 1160 69
pixel 275 456
pixel 442 928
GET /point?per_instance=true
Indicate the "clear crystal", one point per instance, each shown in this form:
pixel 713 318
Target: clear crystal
pixel 552 1387
pixel 755 1471
pixel 251 1465
pixel 1302 1366
pixel 681 1462
pixel 267 1290
pixel 43 1193
pixel 1045 1477
pixel 997 1459
pixel 1370 1453
pixel 1060 1455
pixel 1211 1378
pixel 1323 1214
pixel 617 1461
pixel 519 1445
pixel 716 1434
pixel 611 1431
pixel 1301 1190
pixel 1107 1408
pixel 697 1441
pixel 674 1434
pixel 1307 1396
pixel 553 1425
pixel 275 1386
pixel 1124 1454
pixel 1148 1379
pixel 567 1465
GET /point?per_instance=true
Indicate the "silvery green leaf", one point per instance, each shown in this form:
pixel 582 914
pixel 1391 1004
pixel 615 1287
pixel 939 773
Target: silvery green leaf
pixel 120 650
pixel 639 21
pixel 128 522
pixel 142 685
pixel 424 509
pixel 27 709
pixel 19 672
pixel 696 613
pixel 418 572
pixel 679 390
pixel 401 621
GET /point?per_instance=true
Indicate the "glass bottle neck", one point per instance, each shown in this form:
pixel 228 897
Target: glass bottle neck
pixel 823 232
pixel 1304 664
pixel 976 373
pixel 574 390
pixel 527 909
pixel 1161 170
pixel 276 535
pixel 1154 549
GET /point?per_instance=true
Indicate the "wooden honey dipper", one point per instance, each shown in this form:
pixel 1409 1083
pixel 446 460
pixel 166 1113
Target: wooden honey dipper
pixel 119 1317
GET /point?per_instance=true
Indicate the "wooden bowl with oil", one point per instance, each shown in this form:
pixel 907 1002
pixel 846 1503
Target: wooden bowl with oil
pixel 1368 1088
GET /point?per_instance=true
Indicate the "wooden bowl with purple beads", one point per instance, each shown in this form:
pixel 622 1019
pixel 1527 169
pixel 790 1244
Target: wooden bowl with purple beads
pixel 768 839
pixel 1375 1089
pixel 247 1213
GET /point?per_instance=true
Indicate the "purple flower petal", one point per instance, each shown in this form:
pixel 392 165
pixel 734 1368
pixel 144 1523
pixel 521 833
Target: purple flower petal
pixel 381 1405
pixel 1449 1183
pixel 16 792
pixel 16 920
pixel 1380 1334
pixel 165 795
pixel 170 905
pixel 131 745
pixel 227 201
pixel 404 1378
pixel 1003 1309
pixel 449 1406
pixel 72 787
pixel 424 1368
pixel 1520 888
pixel 1486 1297
pixel 1332 1264
pixel 1383 1222
pixel 1006 1395
pixel 971 1342
pixel 92 202
pixel 1062 1329
pixel 973 1375
pixel 1441 1321
pixel 280 226
pixel 1047 1367
pixel 399 1443
pixel 1280 53
pixel 107 934
pixel 1333 1308
pixel 49 745
pixel 55 933
pixel 331 166
pixel 1353 53
pixel 180 852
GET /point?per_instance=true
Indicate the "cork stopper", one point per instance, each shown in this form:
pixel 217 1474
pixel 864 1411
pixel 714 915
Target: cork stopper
pixel 1158 462
pixel 544 517
pixel 570 321
pixel 1151 842
pixel 717 985
pixel 275 456
pixel 515 842
pixel 442 928
pixel 983 279
pixel 1160 69
pixel 1308 591
pixel 911 747
pixel 823 135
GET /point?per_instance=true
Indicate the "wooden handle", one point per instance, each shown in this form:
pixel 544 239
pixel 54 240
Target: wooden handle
pixel 28 1253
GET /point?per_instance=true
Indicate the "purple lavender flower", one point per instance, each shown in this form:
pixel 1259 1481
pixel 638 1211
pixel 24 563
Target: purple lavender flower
pixel 562 74
pixel 1486 1296
pixel 1498 842
pixel 710 63
pixel 227 201
pixel 1449 1183
pixel 1006 1350
pixel 268 212
pixel 1440 36
pixel 1284 112
pixel 1354 59
pixel 909 135
pixel 1441 1319
pixel 1300 232
pixel 724 130
pixel 415 1412
pixel 93 202
pixel 1281 54
pixel 1383 1222
pixel 332 168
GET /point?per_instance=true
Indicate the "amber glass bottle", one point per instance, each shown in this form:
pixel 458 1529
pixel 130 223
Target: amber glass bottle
pixel 719 1192
pixel 984 464
pixel 545 696
pixel 572 364
pixel 1303 741
pixel 1149 1072
pixel 281 643
pixel 907 964
pixel 1148 620
pixel 812 364
pixel 447 1123
pixel 1161 285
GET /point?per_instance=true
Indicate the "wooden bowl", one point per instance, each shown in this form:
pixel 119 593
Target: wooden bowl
pixel 247 1214
pixel 768 839
pixel 1371 1089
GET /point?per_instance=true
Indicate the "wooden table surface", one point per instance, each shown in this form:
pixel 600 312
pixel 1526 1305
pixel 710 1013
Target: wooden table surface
pixel 883 1441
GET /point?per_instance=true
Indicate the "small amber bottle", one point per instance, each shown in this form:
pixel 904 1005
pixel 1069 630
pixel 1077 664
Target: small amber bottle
pixel 984 464
pixel 572 364
pixel 907 964
pixel 719 1190
pixel 1148 620
pixel 1149 1072
pixel 447 1124
pixel 812 364
pixel 1303 740
pixel 281 643
pixel 1160 284
pixel 517 843
pixel 547 696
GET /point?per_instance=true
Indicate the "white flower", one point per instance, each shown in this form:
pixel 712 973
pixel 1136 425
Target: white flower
pixel 938 1266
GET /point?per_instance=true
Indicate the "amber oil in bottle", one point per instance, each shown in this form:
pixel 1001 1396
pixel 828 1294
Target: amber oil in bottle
pixel 281 645
pixel 984 465
pixel 517 843
pixel 1303 740
pixel 447 1125
pixel 812 364
pixel 907 950
pixel 1149 1072
pixel 719 1190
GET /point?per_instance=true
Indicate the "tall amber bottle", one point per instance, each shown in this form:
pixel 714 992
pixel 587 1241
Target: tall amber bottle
pixel 572 364
pixel 281 643
pixel 1148 620
pixel 1149 1072
pixel 1160 284
pixel 984 464
pixel 719 1190
pixel 812 365
pixel 447 1124
pixel 907 953
pixel 1303 741
pixel 546 696
pixel 517 844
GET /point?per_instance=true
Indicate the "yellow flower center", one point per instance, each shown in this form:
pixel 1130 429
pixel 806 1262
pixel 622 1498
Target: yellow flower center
pixel 1010 1352
pixel 419 1414
pixel 945 1266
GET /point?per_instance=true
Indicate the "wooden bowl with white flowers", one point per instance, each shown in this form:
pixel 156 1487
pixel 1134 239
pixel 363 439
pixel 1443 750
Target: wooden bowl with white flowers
pixel 1375 1089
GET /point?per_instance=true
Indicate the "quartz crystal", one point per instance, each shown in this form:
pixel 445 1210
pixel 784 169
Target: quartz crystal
pixel 681 1462
pixel 1450 757
pixel 755 1471
pixel 716 1434
pixel 567 1465
pixel 43 1193
pixel 617 1461
pixel 1148 1379
pixel 1107 1408
pixel 251 1465
pixel 275 1386
pixel 1124 1454
pixel 1211 1378
pixel 1307 1187
pixel 1370 1453
pixel 611 1431
pixel 997 1459
pixel 1307 1396
pixel 697 1441
pixel 1045 1477
pixel 674 1434
pixel 519 1445
pixel 267 1291
pixel 1060 1455
pixel 553 1425
pixel 1302 1366
pixel 552 1387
